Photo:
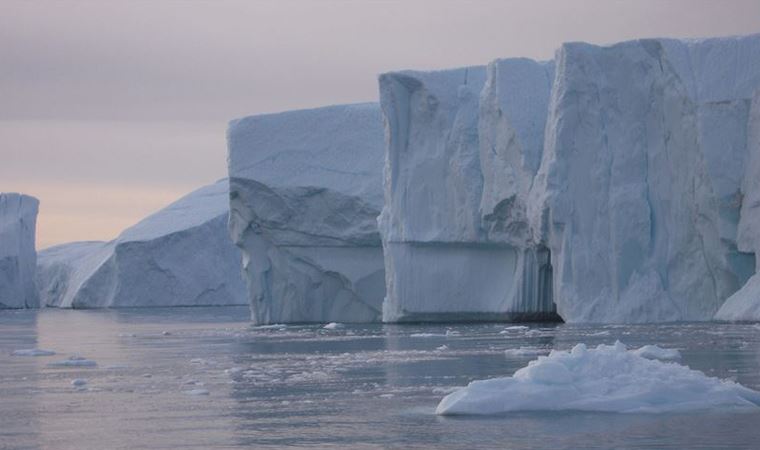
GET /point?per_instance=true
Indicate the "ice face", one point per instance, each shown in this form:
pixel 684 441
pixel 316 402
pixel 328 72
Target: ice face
pixel 305 193
pixel 179 256
pixel 744 305
pixel 637 197
pixel 608 378
pixel 462 148
pixel 18 258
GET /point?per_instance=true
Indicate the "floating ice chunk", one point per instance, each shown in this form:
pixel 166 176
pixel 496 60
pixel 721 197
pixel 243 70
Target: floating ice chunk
pixel 78 382
pixel 74 361
pixel 526 351
pixel 425 335
pixel 655 352
pixel 333 326
pixel 442 348
pixel 33 352
pixel 608 378
pixel 196 392
pixel 517 328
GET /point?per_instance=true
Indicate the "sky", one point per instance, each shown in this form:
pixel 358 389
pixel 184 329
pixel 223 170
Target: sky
pixel 109 110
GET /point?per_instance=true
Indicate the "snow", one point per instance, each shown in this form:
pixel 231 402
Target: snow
pixel 462 148
pixel 18 257
pixel 33 352
pixel 180 256
pixel 608 378
pixel 637 197
pixel 305 193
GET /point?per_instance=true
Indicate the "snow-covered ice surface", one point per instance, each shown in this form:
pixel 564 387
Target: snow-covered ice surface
pixel 608 378
pixel 179 256
pixel 18 257
pixel 305 193
pixel 301 386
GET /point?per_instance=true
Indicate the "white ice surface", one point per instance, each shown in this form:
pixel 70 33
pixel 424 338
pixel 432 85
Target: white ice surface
pixel 180 256
pixel 608 378
pixel 305 193
pixel 18 257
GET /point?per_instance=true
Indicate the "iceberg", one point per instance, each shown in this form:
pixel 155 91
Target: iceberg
pixel 638 194
pixel 305 193
pixel 744 305
pixel 18 257
pixel 463 146
pixel 608 378
pixel 179 256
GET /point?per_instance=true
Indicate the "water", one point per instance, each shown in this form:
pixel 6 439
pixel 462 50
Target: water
pixel 358 387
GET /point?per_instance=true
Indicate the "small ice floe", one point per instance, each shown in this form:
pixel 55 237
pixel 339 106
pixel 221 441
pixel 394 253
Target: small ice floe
pixel 442 348
pixel 608 378
pixel 514 328
pixel 116 367
pixel 425 335
pixel 655 352
pixel 33 352
pixel 599 333
pixel 386 395
pixel 526 351
pixel 78 382
pixel 196 392
pixel 275 326
pixel 452 333
pixel 166 333
pixel 333 326
pixel 446 390
pixel 233 370
pixel 533 333
pixel 74 361
pixel 147 375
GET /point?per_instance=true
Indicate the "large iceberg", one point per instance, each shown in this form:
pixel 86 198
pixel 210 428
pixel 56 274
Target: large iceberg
pixel 638 195
pixel 18 258
pixel 608 378
pixel 607 186
pixel 744 305
pixel 463 146
pixel 180 256
pixel 305 193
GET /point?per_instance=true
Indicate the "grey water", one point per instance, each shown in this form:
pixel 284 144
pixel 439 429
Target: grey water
pixel 204 378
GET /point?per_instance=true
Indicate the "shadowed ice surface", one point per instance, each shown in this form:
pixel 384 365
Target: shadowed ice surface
pixel 204 378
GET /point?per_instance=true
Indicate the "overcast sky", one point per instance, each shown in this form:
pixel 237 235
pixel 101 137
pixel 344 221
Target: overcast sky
pixel 111 109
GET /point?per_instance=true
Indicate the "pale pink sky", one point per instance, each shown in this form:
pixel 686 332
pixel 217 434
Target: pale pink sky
pixel 111 109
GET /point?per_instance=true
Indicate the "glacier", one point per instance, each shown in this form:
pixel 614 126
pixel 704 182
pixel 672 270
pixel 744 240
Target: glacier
pixel 18 257
pixel 178 256
pixel 305 193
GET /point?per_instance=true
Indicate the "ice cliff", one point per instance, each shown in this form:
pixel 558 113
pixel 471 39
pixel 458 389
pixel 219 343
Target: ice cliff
pixel 463 146
pixel 744 305
pixel 18 258
pixel 607 185
pixel 305 193
pixel 638 194
pixel 179 256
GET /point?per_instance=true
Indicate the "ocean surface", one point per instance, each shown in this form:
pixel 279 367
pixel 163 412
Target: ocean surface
pixel 204 378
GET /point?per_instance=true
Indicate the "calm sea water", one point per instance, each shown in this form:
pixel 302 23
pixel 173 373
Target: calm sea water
pixel 358 387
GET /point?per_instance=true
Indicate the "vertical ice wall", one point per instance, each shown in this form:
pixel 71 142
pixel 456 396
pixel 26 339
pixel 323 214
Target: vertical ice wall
pixel 18 257
pixel 305 193
pixel 462 148
pixel 637 197
pixel 745 303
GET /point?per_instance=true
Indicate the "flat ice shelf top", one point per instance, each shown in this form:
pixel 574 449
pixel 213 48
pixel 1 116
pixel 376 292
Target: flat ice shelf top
pixel 335 147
